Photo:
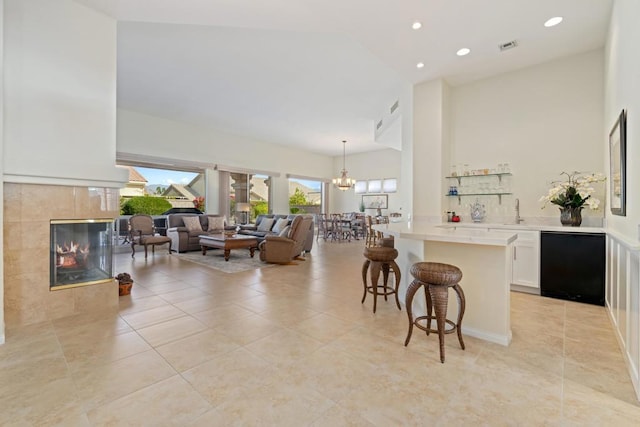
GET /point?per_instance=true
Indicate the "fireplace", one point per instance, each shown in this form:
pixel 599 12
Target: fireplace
pixel 81 252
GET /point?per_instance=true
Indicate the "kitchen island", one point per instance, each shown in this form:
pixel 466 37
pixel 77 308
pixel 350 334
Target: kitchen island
pixel 484 256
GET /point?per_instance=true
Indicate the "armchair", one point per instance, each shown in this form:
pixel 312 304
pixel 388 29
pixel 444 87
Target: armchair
pixel 142 232
pixel 281 250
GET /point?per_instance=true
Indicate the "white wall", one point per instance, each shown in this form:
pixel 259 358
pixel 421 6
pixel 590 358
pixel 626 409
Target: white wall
pixel 622 91
pixel 542 120
pixel 58 97
pixel 362 167
pixel 622 84
pixel 142 134
pixel 1 169
pixel 60 94
pixel 430 139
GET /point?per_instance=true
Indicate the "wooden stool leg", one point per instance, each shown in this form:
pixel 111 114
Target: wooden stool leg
pixel 461 306
pixel 408 301
pixel 429 303
pixel 375 276
pixel 385 274
pixel 396 273
pixel 365 267
pixel 440 297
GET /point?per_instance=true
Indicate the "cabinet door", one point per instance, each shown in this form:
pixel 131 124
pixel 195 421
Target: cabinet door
pixel 526 262
pixel 526 258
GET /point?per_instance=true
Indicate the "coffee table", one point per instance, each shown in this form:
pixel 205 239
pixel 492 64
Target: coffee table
pixel 220 241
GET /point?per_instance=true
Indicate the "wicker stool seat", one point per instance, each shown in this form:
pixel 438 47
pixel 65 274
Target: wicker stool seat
pixel 436 279
pixel 380 258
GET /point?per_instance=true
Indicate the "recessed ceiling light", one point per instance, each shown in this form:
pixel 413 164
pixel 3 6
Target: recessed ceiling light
pixel 420 64
pixel 464 51
pixel 416 25
pixel 553 21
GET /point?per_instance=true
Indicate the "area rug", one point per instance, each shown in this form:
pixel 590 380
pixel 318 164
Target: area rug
pixel 239 260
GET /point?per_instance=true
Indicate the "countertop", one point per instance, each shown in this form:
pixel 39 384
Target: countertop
pixel 522 226
pixel 438 233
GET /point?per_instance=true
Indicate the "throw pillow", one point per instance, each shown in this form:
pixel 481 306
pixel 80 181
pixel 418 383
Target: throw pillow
pixel 216 223
pixel 280 225
pixel 266 224
pixel 192 223
pixel 285 231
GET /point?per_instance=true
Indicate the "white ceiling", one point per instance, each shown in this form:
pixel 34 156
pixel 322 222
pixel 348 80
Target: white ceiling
pixel 311 73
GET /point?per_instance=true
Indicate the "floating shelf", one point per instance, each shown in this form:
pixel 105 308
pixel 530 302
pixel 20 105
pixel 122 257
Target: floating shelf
pixel 459 177
pixel 459 196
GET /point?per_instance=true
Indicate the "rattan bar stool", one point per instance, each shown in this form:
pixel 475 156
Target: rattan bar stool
pixel 381 258
pixel 436 279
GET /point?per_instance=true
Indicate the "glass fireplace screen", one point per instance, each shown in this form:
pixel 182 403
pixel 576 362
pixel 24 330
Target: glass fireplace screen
pixel 81 252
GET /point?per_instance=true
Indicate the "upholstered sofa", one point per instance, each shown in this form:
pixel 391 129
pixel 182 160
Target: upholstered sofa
pixel 183 239
pixel 274 225
pixel 183 234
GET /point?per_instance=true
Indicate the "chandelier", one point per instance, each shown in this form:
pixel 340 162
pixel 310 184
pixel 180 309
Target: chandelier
pixel 344 182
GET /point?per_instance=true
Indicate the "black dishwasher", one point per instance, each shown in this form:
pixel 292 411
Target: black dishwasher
pixel 572 266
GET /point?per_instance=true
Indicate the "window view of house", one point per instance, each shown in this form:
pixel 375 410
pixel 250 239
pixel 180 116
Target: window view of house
pixel 305 196
pixel 154 191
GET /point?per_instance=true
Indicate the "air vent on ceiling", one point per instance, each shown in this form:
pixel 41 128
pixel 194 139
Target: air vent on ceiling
pixel 508 45
pixel 394 107
pixel 379 125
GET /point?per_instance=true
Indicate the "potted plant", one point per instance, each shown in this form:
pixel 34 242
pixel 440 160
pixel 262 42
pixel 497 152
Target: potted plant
pixel 125 282
pixel 572 195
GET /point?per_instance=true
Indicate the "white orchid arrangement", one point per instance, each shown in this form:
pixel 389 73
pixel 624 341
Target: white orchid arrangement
pixel 575 192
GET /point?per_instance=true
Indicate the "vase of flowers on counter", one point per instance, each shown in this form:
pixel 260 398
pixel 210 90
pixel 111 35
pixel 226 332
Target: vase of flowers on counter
pixel 573 195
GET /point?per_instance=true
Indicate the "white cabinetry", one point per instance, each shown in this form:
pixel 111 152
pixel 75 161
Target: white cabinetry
pixel 526 261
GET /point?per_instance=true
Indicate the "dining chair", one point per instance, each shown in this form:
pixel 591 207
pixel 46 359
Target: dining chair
pixel 371 236
pixel 346 226
pixel 323 230
pixel 382 219
pixel 358 226
pixel 333 224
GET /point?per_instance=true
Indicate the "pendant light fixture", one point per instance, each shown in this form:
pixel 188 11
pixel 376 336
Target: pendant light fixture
pixel 344 182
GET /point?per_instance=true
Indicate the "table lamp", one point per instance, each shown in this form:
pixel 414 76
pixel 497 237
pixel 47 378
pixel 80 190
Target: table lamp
pixel 244 208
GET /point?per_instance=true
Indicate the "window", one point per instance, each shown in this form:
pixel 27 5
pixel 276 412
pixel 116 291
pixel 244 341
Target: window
pixel 375 185
pixel 389 185
pixel 305 196
pixel 361 187
pixel 180 188
pixel 248 189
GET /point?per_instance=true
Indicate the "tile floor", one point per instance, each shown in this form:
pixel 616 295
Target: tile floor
pixel 292 345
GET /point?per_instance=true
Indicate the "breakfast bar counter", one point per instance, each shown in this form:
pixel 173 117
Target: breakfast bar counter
pixel 484 256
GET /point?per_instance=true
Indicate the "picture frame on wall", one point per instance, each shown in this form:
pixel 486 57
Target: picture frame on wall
pixel 375 201
pixel 618 165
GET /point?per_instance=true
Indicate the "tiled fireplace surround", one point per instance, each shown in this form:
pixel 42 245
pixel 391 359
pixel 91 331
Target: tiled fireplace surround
pixel 28 208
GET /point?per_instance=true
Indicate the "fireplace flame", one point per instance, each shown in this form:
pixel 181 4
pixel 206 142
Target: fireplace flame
pixel 71 254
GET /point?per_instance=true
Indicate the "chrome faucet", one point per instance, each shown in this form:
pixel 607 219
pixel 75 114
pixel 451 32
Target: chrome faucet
pixel 518 219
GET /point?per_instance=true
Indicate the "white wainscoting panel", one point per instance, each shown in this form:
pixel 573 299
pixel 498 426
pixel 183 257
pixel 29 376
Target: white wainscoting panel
pixel 623 299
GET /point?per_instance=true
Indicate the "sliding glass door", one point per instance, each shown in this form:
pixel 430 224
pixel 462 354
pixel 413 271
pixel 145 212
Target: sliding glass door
pixel 248 196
